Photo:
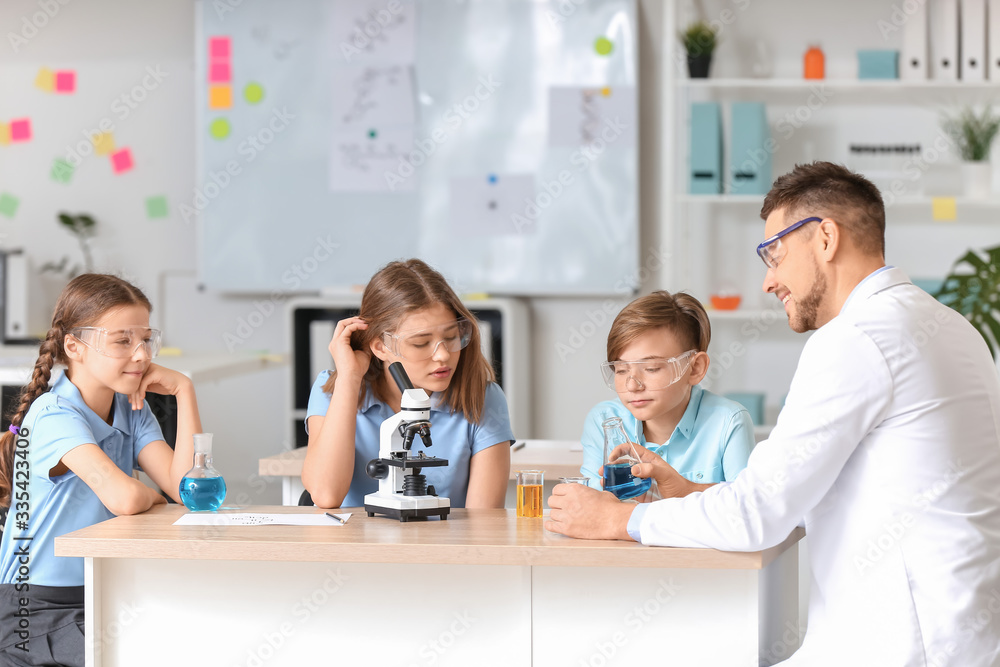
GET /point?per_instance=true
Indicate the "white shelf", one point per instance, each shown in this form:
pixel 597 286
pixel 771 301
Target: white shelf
pixel 841 84
pixel 744 314
pixel 913 200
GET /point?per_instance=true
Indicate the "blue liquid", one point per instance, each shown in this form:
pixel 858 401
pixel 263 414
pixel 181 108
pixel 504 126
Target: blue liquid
pixel 201 494
pixel 618 480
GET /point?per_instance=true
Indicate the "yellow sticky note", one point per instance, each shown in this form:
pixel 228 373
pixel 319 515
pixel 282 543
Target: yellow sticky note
pixel 4 134
pixel 104 143
pixel 46 80
pixel 220 97
pixel 944 208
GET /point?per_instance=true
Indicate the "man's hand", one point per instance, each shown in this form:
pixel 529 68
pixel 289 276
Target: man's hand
pixel 579 511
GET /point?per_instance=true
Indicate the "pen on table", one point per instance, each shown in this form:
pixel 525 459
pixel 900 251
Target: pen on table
pixel 517 446
pixel 336 518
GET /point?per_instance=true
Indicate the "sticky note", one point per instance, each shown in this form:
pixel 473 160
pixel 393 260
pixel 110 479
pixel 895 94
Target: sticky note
pixel 944 208
pixel 66 81
pixel 156 207
pixel 8 205
pixel 219 128
pixel 104 143
pixel 62 171
pixel 20 130
pixel 218 48
pixel 4 134
pixel 46 80
pixel 220 73
pixel 121 161
pixel 253 92
pixel 220 97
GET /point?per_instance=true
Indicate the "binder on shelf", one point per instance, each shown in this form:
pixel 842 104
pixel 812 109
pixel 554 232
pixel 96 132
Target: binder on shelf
pixel 705 161
pixel 973 40
pixel 943 23
pixel 993 39
pixel 913 56
pixel 750 148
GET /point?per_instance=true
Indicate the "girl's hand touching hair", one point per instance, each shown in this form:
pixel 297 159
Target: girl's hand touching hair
pixel 350 363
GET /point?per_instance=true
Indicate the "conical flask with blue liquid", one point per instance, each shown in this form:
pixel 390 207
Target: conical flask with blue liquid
pixel 202 487
pixel 619 457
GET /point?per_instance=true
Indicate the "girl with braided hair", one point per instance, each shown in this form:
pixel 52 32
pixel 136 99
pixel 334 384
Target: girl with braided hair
pixel 67 461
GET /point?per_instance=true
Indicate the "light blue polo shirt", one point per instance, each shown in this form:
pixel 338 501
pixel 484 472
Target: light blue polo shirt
pixel 452 437
pixel 57 422
pixel 710 444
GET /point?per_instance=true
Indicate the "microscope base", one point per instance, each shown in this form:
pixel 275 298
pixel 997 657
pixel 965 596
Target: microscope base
pixel 404 515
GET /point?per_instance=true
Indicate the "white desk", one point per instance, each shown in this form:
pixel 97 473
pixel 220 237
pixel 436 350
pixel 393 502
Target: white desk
pixel 482 588
pixel 558 458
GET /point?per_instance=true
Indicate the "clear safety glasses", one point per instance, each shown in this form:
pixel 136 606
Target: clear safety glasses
pixel 120 343
pixel 652 374
pixel 422 344
pixel 771 251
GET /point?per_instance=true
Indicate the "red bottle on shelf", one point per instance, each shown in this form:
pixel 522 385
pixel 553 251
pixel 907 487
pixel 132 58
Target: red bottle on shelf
pixel 814 64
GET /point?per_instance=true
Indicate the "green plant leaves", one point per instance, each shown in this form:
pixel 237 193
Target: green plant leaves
pixel 699 39
pixel 973 289
pixel 972 133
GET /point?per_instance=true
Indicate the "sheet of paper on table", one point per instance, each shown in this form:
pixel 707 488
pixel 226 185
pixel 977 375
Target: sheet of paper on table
pixel 251 519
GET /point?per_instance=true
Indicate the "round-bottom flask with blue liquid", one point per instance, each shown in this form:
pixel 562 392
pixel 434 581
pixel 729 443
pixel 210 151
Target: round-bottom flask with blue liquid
pixel 202 488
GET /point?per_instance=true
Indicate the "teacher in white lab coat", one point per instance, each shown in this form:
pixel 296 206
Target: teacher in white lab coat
pixel 887 449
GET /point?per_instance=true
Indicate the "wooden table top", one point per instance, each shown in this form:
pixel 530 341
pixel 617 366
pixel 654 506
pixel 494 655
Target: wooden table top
pixel 467 537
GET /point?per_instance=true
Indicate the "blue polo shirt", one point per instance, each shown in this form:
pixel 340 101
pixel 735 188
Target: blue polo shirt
pixel 710 444
pixel 57 422
pixel 453 437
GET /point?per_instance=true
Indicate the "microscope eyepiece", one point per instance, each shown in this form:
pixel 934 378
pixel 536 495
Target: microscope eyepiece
pixel 398 374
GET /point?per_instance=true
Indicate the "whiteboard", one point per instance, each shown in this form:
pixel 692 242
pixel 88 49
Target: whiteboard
pixel 496 139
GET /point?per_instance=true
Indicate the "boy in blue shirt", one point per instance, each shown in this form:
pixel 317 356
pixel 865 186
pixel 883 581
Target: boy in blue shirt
pixel 657 355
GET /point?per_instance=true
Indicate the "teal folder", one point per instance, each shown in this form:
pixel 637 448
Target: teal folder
pixel 750 151
pixel 705 168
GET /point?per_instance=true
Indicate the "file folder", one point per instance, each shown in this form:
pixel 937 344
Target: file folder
pixel 705 161
pixel 973 41
pixel 913 56
pixel 993 39
pixel 943 18
pixel 750 149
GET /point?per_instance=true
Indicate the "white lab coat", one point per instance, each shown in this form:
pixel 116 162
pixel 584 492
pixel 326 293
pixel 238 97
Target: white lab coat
pixel 888 451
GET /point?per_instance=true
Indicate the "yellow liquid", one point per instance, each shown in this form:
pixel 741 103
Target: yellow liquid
pixel 529 500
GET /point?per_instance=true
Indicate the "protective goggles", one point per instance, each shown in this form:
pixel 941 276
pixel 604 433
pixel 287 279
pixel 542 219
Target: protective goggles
pixel 120 343
pixel 422 344
pixel 771 251
pixel 652 374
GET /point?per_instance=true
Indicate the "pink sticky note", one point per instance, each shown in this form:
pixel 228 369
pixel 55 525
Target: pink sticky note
pixel 219 73
pixel 65 81
pixel 218 48
pixel 20 129
pixel 121 161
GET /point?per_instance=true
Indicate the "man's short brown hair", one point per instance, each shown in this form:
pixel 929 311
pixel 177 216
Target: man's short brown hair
pixel 828 190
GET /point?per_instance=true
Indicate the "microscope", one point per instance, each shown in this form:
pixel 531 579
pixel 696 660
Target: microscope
pixel 402 491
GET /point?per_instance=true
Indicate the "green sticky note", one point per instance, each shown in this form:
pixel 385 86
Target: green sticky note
pixel 156 207
pixel 62 171
pixel 219 128
pixel 253 92
pixel 8 204
pixel 603 46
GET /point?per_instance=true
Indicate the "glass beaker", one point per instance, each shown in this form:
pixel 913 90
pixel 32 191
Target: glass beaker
pixel 529 493
pixel 618 478
pixel 202 487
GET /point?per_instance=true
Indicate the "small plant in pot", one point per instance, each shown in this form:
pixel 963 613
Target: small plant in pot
pixel 699 41
pixel 973 135
pixel 84 228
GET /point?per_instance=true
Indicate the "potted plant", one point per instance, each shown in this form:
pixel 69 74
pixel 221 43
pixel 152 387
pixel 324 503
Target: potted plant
pixel 83 227
pixel 973 135
pixel 973 289
pixel 699 41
